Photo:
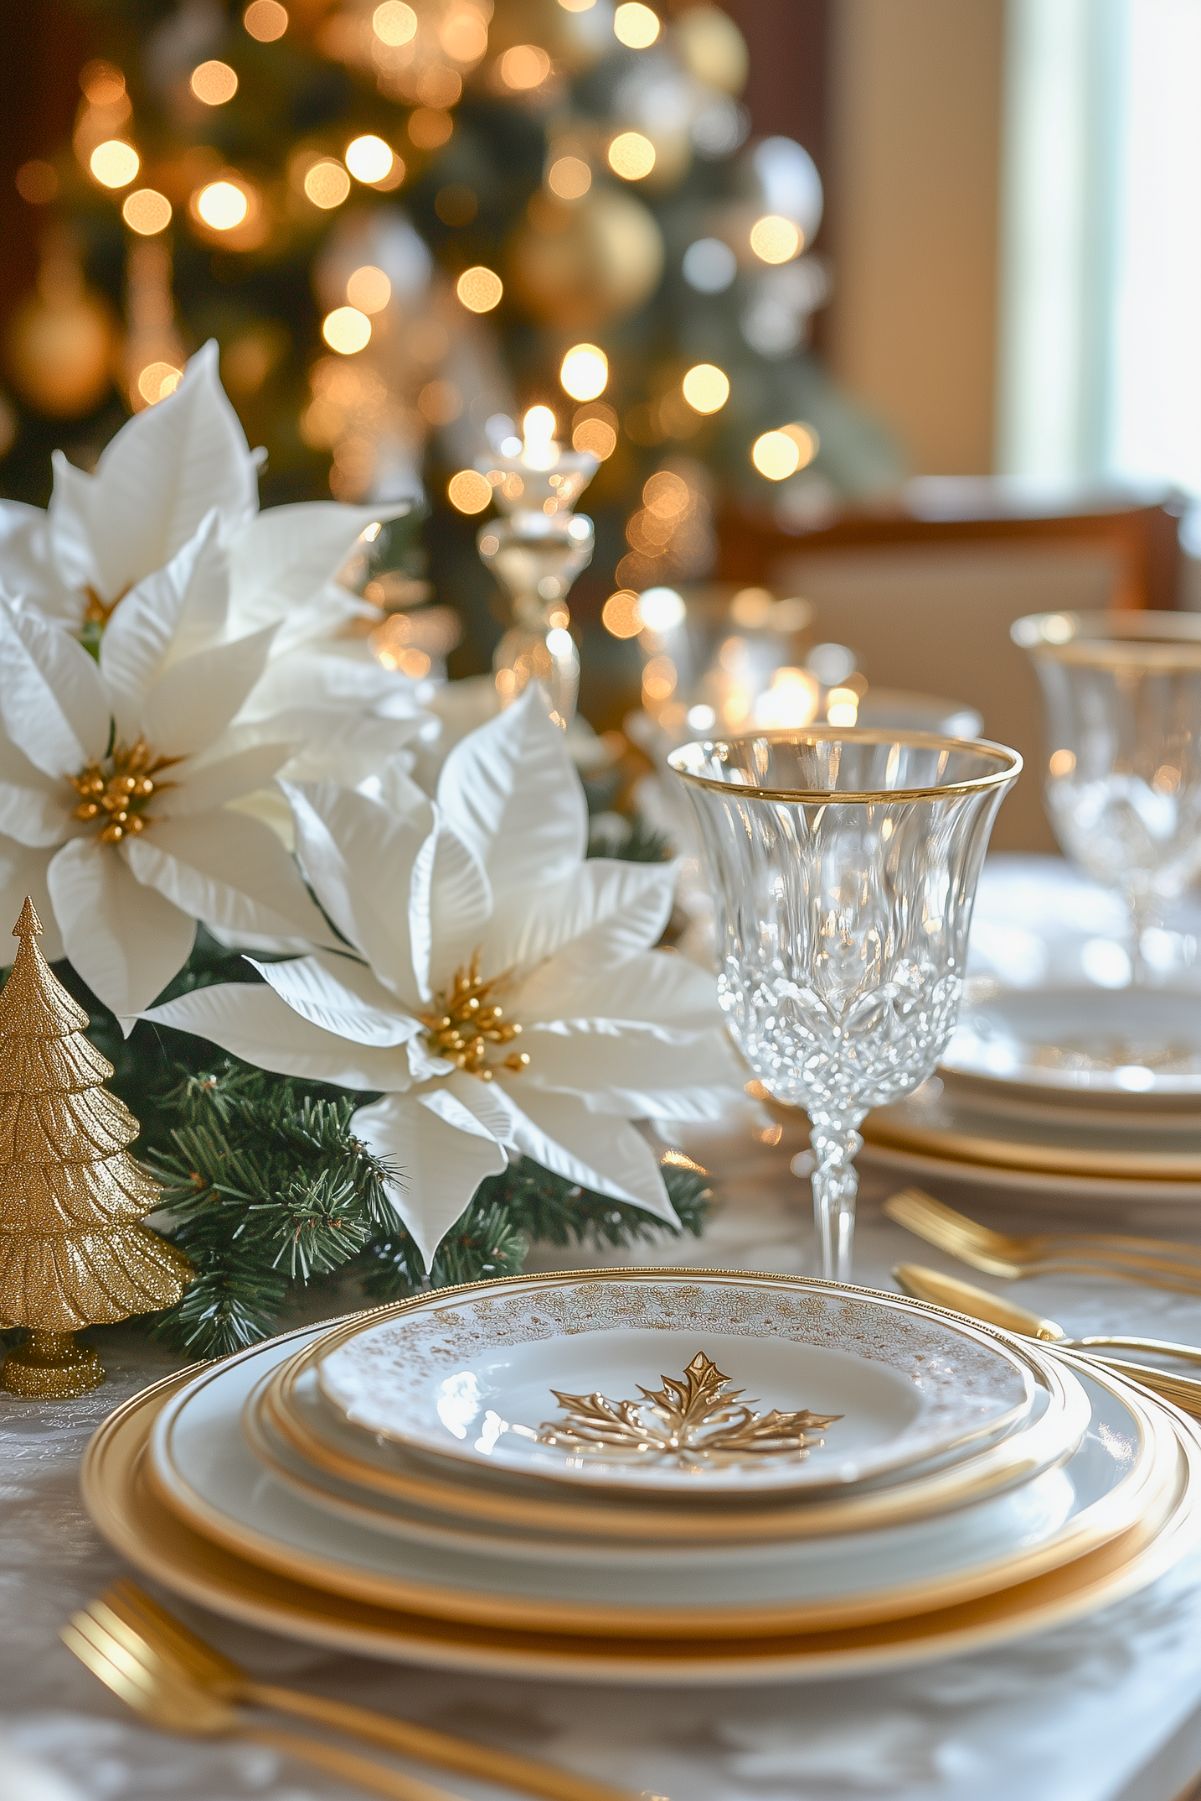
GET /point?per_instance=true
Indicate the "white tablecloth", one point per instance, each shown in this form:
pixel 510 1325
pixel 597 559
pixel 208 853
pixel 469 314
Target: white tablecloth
pixel 1108 1709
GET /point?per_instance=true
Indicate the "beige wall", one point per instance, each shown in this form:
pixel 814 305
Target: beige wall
pixel 914 180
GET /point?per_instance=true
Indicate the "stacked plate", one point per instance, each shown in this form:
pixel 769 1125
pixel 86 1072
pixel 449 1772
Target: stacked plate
pixel 1095 1090
pixel 662 1474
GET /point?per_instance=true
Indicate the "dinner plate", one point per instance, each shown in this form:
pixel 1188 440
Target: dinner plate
pixel 698 1383
pixel 200 1465
pixel 1056 1426
pixel 292 1405
pixel 982 1180
pixel 156 1542
pixel 937 1122
pixel 1140 1047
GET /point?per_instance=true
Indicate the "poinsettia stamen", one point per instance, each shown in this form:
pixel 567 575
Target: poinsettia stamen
pixel 97 611
pixel 464 1024
pixel 115 792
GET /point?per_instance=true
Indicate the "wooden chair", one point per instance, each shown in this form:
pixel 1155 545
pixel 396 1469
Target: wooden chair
pixel 924 590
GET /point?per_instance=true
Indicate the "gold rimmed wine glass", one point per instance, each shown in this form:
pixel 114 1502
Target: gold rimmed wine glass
pixel 844 865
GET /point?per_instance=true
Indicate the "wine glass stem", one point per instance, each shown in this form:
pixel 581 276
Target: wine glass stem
pixel 835 1144
pixel 1142 918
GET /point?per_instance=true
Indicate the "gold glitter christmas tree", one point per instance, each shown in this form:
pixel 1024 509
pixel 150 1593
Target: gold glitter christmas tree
pixel 73 1252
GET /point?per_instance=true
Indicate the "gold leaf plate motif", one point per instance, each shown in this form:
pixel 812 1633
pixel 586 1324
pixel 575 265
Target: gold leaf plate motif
pixel 691 1420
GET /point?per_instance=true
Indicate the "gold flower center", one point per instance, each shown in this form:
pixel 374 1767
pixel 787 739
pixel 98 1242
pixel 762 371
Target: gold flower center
pixel 97 611
pixel 465 1023
pixel 115 792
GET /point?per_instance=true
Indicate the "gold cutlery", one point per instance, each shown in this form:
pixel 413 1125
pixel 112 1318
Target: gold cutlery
pixel 1161 1264
pixel 995 1310
pixel 174 1704
pixel 134 1634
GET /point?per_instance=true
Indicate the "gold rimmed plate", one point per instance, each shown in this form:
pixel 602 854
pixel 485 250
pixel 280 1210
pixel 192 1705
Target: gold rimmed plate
pixel 153 1539
pixel 681 1384
pixel 202 1469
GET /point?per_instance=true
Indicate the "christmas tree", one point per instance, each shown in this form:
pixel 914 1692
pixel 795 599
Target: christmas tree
pixel 72 1249
pixel 401 220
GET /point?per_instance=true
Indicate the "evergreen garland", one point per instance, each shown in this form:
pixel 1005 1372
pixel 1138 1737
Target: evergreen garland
pixel 268 1191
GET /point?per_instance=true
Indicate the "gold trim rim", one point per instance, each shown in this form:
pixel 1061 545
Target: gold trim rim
pixel 1108 639
pixel 432 1299
pixel 1011 766
pixel 236 1589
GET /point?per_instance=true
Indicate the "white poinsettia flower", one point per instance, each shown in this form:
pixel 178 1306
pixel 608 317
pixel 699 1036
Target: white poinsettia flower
pixel 498 989
pixel 163 473
pixel 124 778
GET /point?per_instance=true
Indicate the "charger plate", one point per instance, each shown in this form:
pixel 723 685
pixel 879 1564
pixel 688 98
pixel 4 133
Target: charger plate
pixel 555 1376
pixel 292 1407
pixel 202 1469
pixel 135 1523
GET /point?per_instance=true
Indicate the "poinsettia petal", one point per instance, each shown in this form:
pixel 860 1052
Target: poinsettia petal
pixel 23 872
pixel 652 988
pixel 127 941
pixel 69 535
pixel 165 469
pixel 197 785
pixel 193 701
pixel 284 561
pixel 170 613
pixel 450 907
pixel 441 1154
pixel 563 1135
pixel 230 869
pixel 640 1072
pixel 249 1020
pixel 341 996
pixel 605 913
pixel 52 701
pixel 359 859
pixel 511 793
pixel 33 808
pixel 27 573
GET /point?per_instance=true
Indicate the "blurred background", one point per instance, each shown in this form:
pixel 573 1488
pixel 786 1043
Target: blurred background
pixel 887 316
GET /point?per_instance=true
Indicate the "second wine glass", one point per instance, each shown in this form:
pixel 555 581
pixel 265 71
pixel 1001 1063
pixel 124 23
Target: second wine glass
pixel 844 865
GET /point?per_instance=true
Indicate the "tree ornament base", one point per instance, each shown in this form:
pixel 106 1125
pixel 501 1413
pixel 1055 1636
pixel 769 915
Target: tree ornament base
pixel 51 1366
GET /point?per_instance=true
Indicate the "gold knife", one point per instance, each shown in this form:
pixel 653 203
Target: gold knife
pixel 979 1304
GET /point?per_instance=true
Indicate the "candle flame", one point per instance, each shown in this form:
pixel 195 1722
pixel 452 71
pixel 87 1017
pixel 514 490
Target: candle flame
pixel 538 433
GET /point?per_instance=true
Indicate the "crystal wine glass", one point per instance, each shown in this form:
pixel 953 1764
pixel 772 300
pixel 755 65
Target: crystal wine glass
pixel 844 864
pixel 1122 695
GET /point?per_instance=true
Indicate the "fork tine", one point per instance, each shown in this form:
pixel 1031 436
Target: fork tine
pixel 166 1636
pixel 114 1678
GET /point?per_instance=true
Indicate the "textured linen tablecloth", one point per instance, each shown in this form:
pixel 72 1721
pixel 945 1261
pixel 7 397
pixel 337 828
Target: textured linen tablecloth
pixel 1106 1709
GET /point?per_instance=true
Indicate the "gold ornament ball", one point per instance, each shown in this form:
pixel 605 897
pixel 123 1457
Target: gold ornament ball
pixel 578 265
pixel 712 48
pixel 573 40
pixel 60 352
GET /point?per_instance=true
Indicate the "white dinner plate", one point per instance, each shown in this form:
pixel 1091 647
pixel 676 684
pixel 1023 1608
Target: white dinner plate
pixel 938 1120
pixel 982 1181
pixel 699 1383
pixel 200 1464
pixel 1138 1047
pixel 1057 1423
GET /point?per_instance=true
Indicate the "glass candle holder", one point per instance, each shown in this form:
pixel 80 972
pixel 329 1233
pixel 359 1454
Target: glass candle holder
pixel 1122 708
pixel 844 865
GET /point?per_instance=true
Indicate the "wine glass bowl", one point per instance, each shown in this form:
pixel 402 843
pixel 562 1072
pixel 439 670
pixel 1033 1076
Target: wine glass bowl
pixel 844 864
pixel 1122 694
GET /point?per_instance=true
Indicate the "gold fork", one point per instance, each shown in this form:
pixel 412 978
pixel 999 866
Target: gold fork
pixel 174 1704
pixel 1155 1263
pixel 157 1642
